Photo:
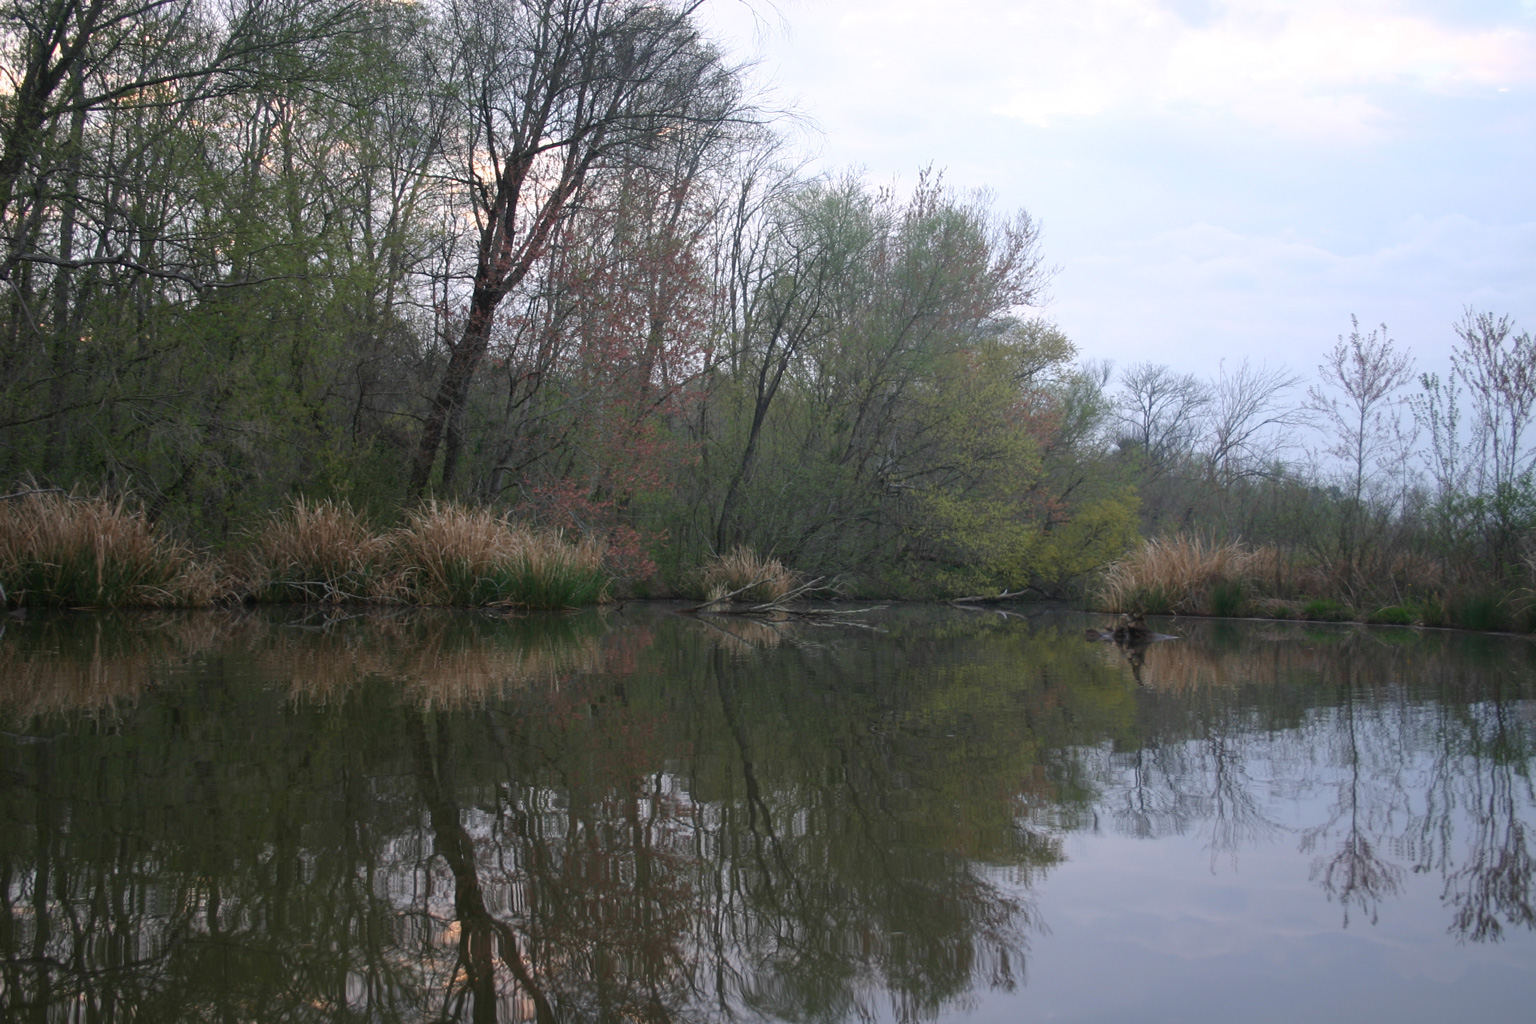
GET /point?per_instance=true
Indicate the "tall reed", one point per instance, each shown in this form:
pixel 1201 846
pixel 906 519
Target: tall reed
pixel 319 551
pixel 1183 574
pixel 63 550
pixel 742 575
pixel 451 555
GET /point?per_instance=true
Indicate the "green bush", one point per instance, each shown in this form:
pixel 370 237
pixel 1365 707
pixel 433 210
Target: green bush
pixel 1433 612
pixel 1322 609
pixel 1393 615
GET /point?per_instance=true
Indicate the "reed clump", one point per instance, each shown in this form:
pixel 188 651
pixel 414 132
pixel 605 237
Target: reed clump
pixel 1192 576
pixel 62 550
pixel 452 555
pixel 319 551
pixel 1185 575
pixel 743 575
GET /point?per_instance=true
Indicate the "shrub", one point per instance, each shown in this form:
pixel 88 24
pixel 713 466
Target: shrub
pixel 742 575
pixel 451 555
pixel 1322 609
pixel 318 551
pixel 62 550
pixel 1393 615
pixel 1434 612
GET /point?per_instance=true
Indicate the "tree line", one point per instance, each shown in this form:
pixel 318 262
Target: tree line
pixel 549 254
pixel 555 256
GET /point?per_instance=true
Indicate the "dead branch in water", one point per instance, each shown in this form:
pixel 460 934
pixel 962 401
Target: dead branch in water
pixel 724 604
pixel 998 598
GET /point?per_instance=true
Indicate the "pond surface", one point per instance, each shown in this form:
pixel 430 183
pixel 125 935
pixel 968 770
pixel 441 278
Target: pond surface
pixel 635 815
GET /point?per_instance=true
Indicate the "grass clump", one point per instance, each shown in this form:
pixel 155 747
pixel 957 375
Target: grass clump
pixel 64 551
pixel 1480 612
pixel 1227 598
pixel 1393 615
pixel 319 551
pixel 1181 575
pixel 743 575
pixel 451 555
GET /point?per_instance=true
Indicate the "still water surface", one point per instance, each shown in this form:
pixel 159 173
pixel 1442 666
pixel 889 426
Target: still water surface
pixel 635 815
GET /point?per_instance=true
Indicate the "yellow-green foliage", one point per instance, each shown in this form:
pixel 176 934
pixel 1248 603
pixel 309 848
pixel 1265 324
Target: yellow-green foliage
pixel 998 514
pixel 93 552
pixel 1009 549
pixel 743 575
pixel 451 555
pixel 1095 534
pixel 319 551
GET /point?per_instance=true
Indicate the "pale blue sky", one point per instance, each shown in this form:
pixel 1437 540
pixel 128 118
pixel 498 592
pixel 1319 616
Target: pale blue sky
pixel 1216 178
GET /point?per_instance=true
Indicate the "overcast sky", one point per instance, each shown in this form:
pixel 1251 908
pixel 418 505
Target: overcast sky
pixel 1216 178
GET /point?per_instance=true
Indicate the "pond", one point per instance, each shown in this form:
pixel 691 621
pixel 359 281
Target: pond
pixel 922 813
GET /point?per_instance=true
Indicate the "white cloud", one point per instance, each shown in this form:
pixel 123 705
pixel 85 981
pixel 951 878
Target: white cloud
pixel 1305 67
pixel 1300 66
pixel 1184 155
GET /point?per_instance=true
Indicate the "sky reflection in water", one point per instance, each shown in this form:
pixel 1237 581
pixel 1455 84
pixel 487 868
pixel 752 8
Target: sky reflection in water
pixel 636 815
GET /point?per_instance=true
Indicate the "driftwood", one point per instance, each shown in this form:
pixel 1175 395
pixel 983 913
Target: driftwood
pixel 997 598
pixel 782 607
pixel 1130 630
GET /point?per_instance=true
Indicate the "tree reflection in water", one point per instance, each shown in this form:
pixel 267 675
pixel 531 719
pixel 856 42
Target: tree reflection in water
pixel 646 817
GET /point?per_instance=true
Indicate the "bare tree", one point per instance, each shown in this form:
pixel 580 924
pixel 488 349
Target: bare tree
pixel 1356 411
pixel 1498 368
pixel 1159 413
pixel 1250 422
pixel 552 91
pixel 1437 409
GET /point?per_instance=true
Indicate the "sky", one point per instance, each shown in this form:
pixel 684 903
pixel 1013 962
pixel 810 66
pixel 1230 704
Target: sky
pixel 1215 179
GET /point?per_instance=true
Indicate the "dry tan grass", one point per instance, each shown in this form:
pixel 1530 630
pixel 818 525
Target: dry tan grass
pixel 445 554
pixel 319 551
pixel 452 555
pixel 743 575
pixel 1189 575
pixel 1179 574
pixel 63 550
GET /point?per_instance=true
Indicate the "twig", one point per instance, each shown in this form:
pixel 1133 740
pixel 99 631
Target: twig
pixel 35 490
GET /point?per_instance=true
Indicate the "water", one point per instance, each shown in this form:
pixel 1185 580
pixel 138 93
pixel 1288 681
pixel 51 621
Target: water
pixel 635 815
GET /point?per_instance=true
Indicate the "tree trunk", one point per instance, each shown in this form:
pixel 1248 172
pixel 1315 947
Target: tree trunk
pixel 448 405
